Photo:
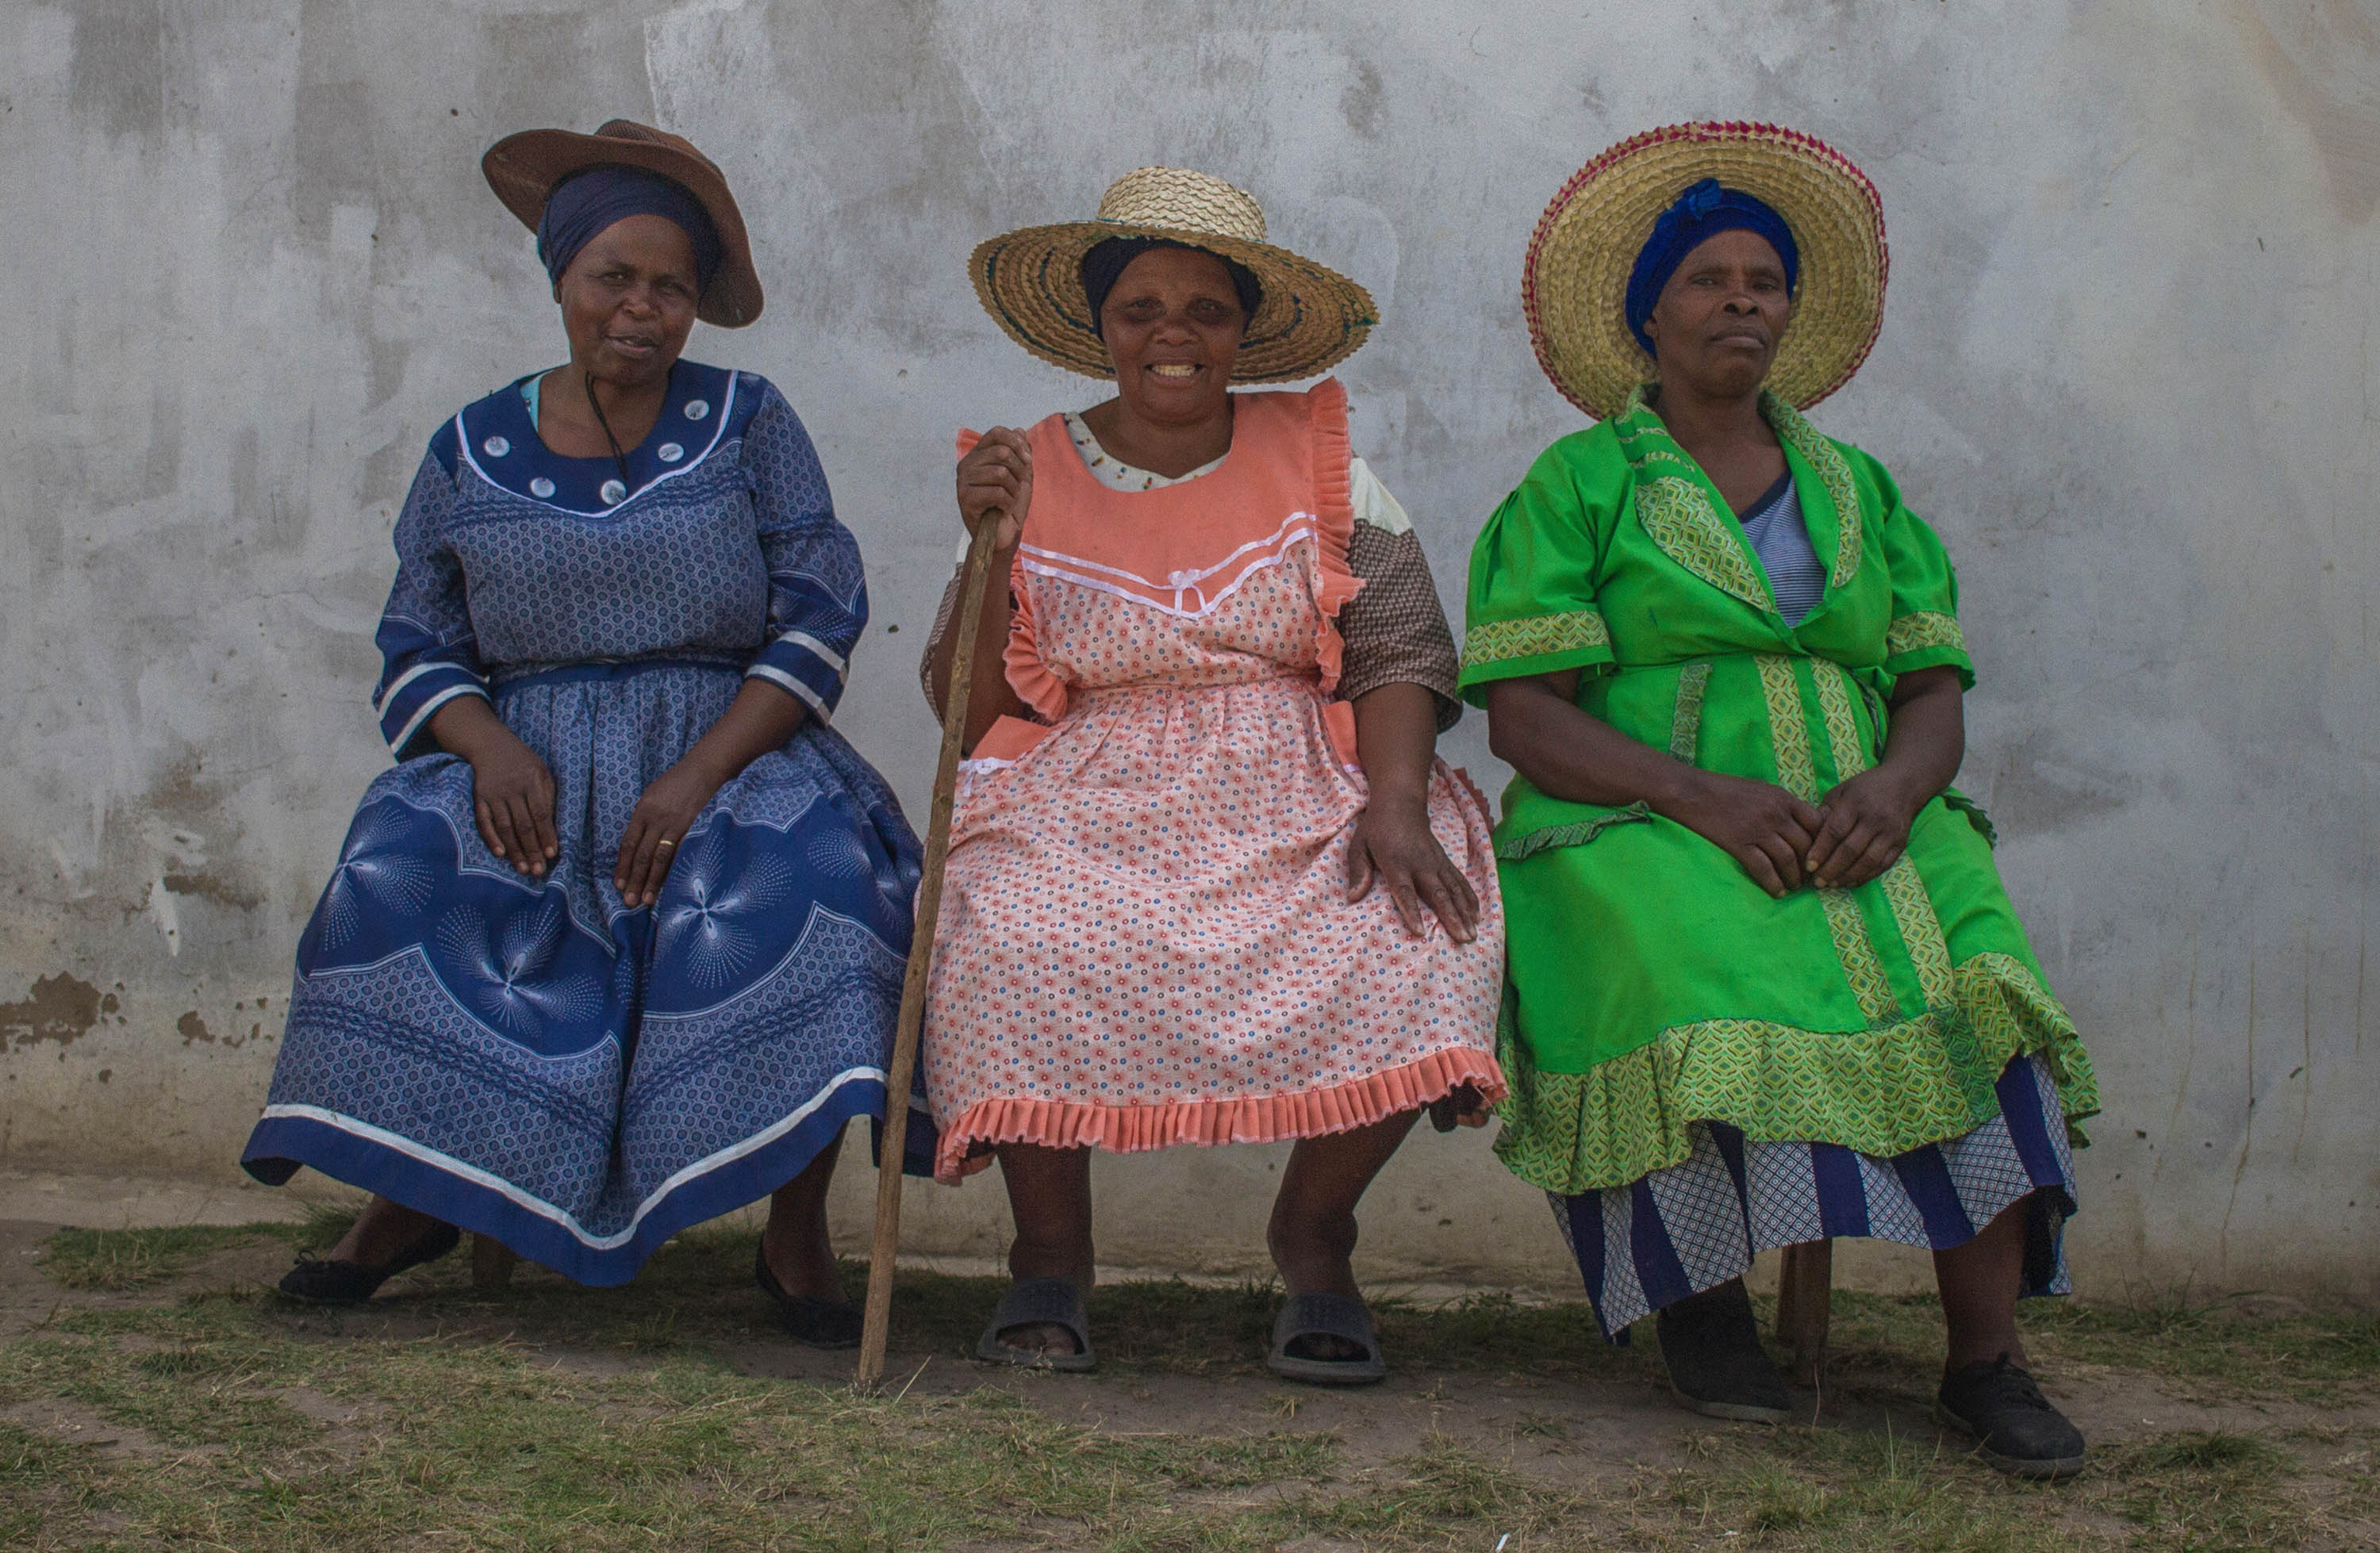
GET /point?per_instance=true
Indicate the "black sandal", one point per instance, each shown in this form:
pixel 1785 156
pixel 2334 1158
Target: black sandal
pixel 1326 1316
pixel 1040 1302
pixel 322 1280
pixel 820 1323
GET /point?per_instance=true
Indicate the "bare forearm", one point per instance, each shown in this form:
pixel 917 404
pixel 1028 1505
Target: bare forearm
pixel 1396 739
pixel 468 725
pixel 1927 738
pixel 1566 753
pixel 761 719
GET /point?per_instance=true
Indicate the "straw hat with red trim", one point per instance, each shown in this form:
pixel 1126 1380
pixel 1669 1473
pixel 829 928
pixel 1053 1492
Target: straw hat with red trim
pixel 1031 280
pixel 524 168
pixel 1575 281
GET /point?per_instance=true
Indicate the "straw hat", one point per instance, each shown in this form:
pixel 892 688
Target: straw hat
pixel 1031 279
pixel 1575 281
pixel 524 168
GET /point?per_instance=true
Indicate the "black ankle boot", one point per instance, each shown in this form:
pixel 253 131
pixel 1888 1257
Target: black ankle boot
pixel 2016 1428
pixel 1711 1344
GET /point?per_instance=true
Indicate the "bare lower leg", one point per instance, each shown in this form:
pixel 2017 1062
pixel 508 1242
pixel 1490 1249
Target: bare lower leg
pixel 1050 1198
pixel 796 1242
pixel 381 1233
pixel 1980 1281
pixel 1312 1234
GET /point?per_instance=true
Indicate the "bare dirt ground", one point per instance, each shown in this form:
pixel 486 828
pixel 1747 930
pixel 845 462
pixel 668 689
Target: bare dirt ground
pixel 2224 1428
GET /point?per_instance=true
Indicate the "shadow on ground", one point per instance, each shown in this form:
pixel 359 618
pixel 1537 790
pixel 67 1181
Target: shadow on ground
pixel 153 1390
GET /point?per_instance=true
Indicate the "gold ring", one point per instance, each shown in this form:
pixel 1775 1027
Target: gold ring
pixel 664 842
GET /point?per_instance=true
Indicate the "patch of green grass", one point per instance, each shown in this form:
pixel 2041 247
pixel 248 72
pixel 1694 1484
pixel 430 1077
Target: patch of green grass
pixel 113 1261
pixel 2195 1489
pixel 555 1417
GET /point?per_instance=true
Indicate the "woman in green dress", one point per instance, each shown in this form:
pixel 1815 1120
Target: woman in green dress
pixel 1766 986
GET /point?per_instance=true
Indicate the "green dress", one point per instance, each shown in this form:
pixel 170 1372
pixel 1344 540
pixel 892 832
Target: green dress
pixel 1651 984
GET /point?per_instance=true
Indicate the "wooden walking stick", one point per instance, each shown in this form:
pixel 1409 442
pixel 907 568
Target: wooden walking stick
pixel 904 1069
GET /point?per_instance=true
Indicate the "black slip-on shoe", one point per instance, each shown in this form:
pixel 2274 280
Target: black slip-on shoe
pixel 820 1323
pixel 1710 1342
pixel 320 1280
pixel 2015 1428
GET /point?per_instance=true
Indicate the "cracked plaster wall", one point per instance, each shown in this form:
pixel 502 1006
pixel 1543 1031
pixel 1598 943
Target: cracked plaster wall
pixel 2127 369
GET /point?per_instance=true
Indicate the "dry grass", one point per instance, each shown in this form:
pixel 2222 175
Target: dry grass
pixel 217 1416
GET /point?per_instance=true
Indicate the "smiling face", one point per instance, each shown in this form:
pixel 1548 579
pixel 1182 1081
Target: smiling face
pixel 1173 326
pixel 628 299
pixel 1715 328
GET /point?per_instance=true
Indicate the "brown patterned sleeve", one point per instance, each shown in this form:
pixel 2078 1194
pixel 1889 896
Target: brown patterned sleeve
pixel 944 615
pixel 1395 629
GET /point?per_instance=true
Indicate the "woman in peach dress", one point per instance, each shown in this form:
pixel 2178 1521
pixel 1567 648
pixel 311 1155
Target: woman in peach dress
pixel 1208 882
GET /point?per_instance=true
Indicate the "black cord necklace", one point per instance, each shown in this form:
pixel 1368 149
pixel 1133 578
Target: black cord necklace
pixel 618 457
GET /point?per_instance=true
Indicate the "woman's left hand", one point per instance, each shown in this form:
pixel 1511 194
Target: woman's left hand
pixel 1391 845
pixel 1863 830
pixel 656 829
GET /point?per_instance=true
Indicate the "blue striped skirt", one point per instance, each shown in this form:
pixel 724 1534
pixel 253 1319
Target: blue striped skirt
pixel 1698 1223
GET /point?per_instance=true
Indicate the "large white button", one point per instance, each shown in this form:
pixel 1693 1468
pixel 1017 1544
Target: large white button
pixel 670 452
pixel 496 447
pixel 613 492
pixel 696 409
pixel 540 487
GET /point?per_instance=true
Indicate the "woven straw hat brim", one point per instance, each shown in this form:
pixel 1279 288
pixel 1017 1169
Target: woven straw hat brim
pixel 1575 281
pixel 524 168
pixel 1312 318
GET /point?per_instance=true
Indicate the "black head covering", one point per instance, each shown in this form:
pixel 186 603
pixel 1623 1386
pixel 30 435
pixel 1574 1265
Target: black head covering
pixel 1103 266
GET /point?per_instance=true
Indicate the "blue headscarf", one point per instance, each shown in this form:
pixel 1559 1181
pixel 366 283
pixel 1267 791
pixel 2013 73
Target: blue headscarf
pixel 586 203
pixel 1701 212
pixel 1103 266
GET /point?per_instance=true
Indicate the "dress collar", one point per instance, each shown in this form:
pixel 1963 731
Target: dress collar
pixel 499 440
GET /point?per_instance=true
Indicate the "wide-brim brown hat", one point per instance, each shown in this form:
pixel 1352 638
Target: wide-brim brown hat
pixel 1575 281
pixel 524 168
pixel 1031 279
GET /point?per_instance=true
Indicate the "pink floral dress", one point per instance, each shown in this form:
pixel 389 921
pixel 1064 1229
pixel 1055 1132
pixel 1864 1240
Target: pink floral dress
pixel 1146 938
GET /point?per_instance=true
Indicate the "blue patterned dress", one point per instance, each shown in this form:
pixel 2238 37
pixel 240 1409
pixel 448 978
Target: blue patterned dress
pixel 527 1056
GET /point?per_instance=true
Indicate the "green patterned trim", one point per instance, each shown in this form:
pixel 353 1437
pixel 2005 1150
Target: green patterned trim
pixel 1843 725
pixel 1913 910
pixel 1788 735
pixel 1687 525
pixel 1534 636
pixel 1578 832
pixel 1921 929
pixel 1686 721
pixel 1914 633
pixel 1881 1092
pixel 1797 773
pixel 1679 517
pixel 1834 472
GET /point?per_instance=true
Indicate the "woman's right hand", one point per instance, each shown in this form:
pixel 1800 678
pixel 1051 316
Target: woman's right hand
pixel 997 476
pixel 511 792
pixel 1766 829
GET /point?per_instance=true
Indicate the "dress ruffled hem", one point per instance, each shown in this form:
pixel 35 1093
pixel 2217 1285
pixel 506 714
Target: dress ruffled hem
pixel 1881 1091
pixel 1258 1119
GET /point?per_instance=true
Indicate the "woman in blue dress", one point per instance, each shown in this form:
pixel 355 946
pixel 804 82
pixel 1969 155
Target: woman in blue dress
pixel 617 945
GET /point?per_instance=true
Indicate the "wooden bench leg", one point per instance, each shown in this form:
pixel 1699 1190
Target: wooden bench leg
pixel 491 1265
pixel 1805 1287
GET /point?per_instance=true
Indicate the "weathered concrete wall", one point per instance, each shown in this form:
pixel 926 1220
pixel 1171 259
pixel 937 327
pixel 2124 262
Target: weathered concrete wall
pixel 2128 370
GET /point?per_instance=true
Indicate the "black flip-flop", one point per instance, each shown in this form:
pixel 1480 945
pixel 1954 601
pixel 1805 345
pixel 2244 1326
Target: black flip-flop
pixel 1040 1302
pixel 820 1323
pixel 322 1280
pixel 1333 1315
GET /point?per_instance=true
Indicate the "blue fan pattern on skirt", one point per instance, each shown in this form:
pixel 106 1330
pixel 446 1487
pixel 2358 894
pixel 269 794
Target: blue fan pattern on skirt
pixel 526 1057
